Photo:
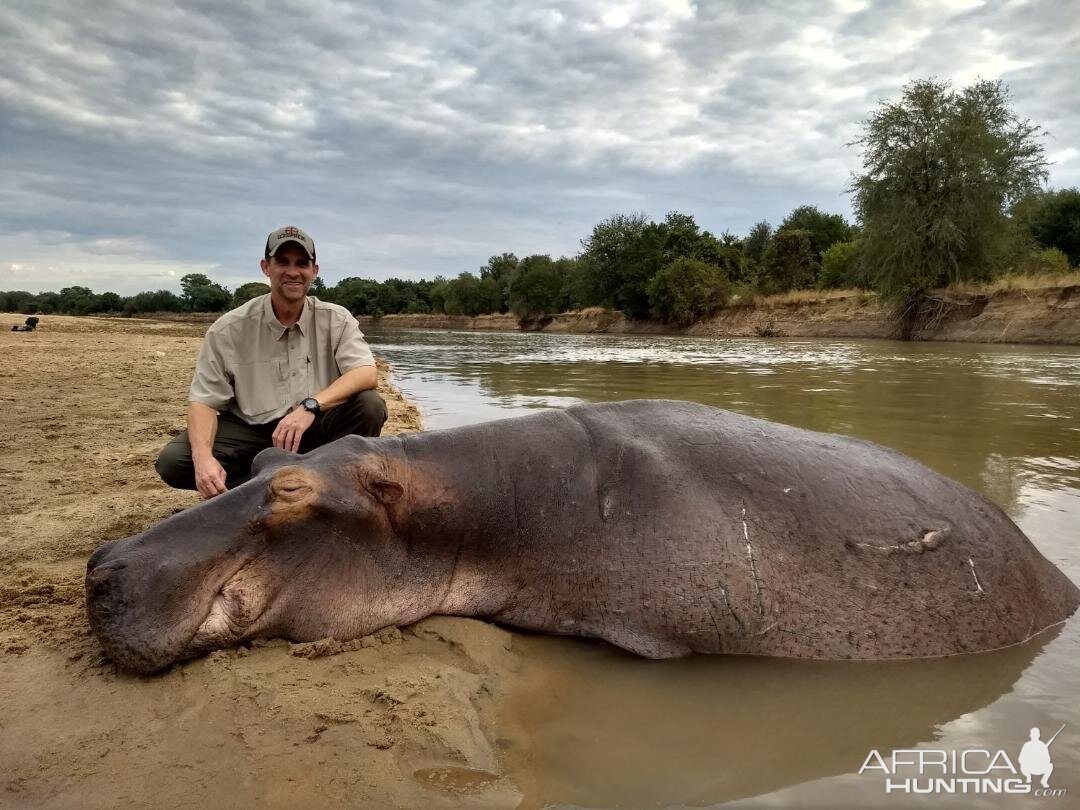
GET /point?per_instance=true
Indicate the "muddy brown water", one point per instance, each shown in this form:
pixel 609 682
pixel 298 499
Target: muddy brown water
pixel 590 726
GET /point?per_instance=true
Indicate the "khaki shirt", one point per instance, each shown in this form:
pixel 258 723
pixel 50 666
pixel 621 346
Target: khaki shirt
pixel 254 367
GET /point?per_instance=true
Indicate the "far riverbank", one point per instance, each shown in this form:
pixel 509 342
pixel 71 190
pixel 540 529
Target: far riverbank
pixel 1036 316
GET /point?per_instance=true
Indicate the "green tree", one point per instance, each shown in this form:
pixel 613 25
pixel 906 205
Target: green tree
pixel 756 242
pixel 200 294
pixel 613 261
pixel 469 295
pixel 939 170
pixel 824 229
pixel 46 304
pixel 108 302
pixel 625 252
pixel 688 290
pixel 252 289
pixel 16 300
pixel 358 295
pixel 437 294
pixel 788 264
pixel 1052 218
pixel 538 287
pixel 500 269
pixel 160 301
pixel 76 301
pixel 840 266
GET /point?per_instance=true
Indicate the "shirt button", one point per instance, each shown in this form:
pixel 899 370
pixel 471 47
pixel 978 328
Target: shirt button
pixel 293 374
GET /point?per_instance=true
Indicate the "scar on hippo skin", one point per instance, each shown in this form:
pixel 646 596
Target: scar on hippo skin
pixel 931 539
pixel 978 587
pixel 293 491
pixel 755 580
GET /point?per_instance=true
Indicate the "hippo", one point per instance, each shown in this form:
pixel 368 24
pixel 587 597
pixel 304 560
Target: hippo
pixel 665 528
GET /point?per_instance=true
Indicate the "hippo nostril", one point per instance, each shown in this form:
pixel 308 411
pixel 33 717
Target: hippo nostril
pixel 98 556
pixel 102 572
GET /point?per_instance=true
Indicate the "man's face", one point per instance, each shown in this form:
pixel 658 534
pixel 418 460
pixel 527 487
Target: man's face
pixel 290 272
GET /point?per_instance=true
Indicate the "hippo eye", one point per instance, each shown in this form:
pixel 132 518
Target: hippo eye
pixel 293 490
pixel 291 484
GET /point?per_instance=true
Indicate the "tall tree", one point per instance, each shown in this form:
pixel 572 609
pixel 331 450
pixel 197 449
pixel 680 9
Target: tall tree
pixel 612 254
pixel 939 169
pixel 538 287
pixel 824 229
pixel 788 263
pixel 756 241
pixel 200 294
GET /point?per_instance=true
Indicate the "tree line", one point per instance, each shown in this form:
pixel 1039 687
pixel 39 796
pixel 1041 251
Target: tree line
pixel 951 190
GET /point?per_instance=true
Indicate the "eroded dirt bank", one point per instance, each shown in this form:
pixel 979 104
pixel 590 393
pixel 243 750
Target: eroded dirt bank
pixel 400 719
pixel 1049 316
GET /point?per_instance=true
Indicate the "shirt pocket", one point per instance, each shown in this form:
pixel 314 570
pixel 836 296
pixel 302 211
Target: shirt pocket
pixel 260 387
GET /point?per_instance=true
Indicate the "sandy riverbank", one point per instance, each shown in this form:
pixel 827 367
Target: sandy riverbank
pixel 404 720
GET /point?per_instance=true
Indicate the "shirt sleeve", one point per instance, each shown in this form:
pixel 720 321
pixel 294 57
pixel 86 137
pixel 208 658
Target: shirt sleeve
pixel 211 384
pixel 352 350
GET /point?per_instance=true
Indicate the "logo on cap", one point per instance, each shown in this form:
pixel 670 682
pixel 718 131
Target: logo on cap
pixel 289 233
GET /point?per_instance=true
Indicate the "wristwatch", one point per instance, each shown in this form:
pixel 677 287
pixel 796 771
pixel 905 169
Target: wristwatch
pixel 312 405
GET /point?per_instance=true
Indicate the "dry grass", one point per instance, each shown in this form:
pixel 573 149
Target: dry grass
pixel 587 312
pixel 809 297
pixel 1033 281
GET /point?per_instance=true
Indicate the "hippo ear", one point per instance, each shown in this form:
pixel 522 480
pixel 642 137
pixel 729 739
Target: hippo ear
pixel 386 491
pixel 270 459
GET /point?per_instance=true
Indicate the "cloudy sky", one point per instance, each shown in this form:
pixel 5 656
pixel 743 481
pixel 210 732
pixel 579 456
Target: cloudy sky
pixel 143 140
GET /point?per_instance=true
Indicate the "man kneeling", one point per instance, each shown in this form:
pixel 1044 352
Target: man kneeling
pixel 284 370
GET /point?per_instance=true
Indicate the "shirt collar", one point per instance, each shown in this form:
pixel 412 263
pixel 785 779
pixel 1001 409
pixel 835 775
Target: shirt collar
pixel 278 328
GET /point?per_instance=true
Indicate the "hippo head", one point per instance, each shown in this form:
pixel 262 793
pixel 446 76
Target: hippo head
pixel 310 547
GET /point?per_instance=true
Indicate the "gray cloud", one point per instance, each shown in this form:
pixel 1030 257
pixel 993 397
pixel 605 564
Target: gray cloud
pixel 144 140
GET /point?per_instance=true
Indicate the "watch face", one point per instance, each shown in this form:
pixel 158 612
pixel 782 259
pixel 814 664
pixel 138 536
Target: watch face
pixel 311 404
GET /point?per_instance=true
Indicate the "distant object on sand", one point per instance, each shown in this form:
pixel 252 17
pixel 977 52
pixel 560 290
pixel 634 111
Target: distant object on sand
pixel 29 326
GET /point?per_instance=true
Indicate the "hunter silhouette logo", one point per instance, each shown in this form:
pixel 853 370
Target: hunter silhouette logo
pixel 968 771
pixel 1034 757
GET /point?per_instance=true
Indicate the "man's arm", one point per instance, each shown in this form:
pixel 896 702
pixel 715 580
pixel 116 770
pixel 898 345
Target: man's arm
pixel 351 382
pixel 291 428
pixel 202 423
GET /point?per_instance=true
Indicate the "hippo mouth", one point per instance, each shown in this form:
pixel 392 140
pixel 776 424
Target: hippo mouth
pixel 235 610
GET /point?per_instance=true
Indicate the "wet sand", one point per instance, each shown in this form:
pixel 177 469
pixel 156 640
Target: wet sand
pixel 400 719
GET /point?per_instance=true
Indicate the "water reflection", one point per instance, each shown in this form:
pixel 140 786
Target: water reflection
pixel 716 729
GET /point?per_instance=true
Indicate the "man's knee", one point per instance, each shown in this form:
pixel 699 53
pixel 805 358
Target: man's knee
pixel 174 464
pixel 372 409
pixel 362 414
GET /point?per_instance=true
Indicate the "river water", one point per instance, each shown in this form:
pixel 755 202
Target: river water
pixel 590 726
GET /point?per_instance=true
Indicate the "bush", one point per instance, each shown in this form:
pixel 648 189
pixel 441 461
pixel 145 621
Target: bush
pixel 1056 223
pixel 1049 260
pixel 245 292
pixel 840 266
pixel 688 290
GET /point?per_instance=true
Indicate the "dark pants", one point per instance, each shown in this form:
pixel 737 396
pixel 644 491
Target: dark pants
pixel 237 443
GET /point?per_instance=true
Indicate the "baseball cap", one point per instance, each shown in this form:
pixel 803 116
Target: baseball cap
pixel 290 233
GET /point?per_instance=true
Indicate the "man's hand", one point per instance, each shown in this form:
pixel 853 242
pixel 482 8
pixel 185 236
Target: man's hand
pixel 209 477
pixel 291 427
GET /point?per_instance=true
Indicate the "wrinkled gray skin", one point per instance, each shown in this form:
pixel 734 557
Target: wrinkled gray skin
pixel 663 527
